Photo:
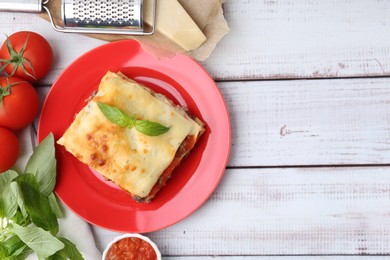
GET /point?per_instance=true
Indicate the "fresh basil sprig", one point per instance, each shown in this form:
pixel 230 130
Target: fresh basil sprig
pixel 29 210
pixel 119 117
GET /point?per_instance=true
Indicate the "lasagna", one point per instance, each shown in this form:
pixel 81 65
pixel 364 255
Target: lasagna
pixel 138 163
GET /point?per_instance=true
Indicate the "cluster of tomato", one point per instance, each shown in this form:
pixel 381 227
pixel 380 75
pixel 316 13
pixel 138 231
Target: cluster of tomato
pixel 25 58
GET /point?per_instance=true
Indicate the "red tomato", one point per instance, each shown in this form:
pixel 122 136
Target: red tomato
pixel 9 149
pixel 19 103
pixel 26 55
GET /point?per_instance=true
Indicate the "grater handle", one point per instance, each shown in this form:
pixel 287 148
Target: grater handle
pixel 25 6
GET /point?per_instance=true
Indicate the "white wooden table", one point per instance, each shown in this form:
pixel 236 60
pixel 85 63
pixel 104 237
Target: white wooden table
pixel 308 91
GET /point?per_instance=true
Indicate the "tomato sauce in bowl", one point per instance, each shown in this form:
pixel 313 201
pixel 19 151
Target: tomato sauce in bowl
pixel 131 247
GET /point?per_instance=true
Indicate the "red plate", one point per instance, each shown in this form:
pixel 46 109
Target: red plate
pixel 182 80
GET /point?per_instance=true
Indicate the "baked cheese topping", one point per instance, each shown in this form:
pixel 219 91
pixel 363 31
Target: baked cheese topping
pixel 129 158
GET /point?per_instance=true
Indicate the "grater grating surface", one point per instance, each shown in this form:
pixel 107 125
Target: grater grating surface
pixel 99 13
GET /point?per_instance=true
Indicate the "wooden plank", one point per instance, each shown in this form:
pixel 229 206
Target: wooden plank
pixel 267 39
pixel 274 257
pixel 303 39
pixel 302 211
pixel 315 122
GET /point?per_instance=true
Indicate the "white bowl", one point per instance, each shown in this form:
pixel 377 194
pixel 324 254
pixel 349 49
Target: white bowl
pixel 154 246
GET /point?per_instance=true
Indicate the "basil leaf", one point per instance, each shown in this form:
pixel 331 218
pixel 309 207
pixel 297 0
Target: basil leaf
pixel 30 209
pixel 16 248
pixel 116 116
pixel 55 205
pixel 60 255
pixel 39 240
pixel 19 199
pixel 119 117
pixel 42 164
pixel 7 177
pixel 23 257
pixel 3 251
pixel 70 251
pixel 28 178
pixel 20 219
pixel 150 128
pixel 37 205
pixel 8 204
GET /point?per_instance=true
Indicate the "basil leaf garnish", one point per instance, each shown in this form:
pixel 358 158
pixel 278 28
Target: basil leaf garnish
pixel 41 241
pixel 150 128
pixel 70 251
pixel 29 210
pixel 37 205
pixel 116 116
pixel 7 177
pixel 8 203
pixel 55 205
pixel 19 199
pixel 7 200
pixel 119 117
pixel 42 164
pixel 16 248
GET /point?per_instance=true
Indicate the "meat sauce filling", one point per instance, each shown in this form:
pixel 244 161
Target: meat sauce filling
pixel 184 148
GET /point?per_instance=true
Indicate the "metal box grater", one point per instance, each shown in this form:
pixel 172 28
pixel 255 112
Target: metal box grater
pixel 91 16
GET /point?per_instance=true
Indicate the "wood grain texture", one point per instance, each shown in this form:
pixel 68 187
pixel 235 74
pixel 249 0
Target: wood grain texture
pixel 294 211
pixel 268 39
pixel 333 257
pixel 315 122
pixel 264 213
pixel 285 212
pixel 303 39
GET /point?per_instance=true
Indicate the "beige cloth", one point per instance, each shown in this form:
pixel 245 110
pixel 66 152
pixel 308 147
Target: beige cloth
pixel 207 14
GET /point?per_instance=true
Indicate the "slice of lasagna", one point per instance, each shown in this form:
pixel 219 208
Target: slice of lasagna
pixel 138 163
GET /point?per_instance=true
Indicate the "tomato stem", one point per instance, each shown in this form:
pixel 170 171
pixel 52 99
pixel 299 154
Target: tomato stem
pixel 6 91
pixel 17 59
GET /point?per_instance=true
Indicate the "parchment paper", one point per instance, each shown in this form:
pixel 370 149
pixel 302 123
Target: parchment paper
pixel 207 14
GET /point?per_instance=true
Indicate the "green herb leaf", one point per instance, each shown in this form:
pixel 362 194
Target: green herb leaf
pixel 70 251
pixel 6 178
pixel 39 240
pixel 60 255
pixel 37 205
pixel 29 210
pixel 16 248
pixel 150 128
pixel 20 219
pixel 3 251
pixel 19 199
pixel 55 205
pixel 8 205
pixel 42 164
pixel 116 116
pixel 119 117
